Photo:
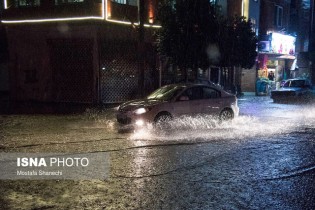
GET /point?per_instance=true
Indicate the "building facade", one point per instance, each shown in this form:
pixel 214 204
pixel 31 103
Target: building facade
pixel 276 48
pixel 312 41
pixel 4 73
pixel 78 51
pixel 243 79
pixel 300 26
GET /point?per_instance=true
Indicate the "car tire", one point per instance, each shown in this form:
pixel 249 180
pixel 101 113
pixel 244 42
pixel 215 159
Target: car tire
pixel 226 115
pixel 162 119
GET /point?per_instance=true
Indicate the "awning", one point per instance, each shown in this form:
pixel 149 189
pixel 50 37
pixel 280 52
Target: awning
pixel 284 57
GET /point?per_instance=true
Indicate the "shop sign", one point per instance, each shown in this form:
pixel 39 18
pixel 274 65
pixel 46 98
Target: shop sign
pixel 283 44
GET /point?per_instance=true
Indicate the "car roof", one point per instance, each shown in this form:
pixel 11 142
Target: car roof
pixel 296 79
pixel 189 84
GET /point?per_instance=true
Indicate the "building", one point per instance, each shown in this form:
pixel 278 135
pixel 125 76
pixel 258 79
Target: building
pixel 276 47
pixel 4 73
pixel 77 50
pixel 299 26
pixel 312 41
pixel 244 79
pixel 251 9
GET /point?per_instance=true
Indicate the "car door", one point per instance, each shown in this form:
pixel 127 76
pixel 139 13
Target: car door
pixel 187 103
pixel 211 101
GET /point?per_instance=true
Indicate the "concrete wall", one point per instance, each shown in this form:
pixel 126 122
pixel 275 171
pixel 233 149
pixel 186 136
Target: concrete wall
pixel 248 80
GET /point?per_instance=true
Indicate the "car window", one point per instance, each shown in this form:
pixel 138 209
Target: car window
pixel 166 93
pixel 193 93
pixel 294 83
pixel 209 93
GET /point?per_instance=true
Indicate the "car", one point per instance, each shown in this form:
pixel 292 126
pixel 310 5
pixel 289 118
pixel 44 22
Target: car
pixel 175 100
pixel 293 90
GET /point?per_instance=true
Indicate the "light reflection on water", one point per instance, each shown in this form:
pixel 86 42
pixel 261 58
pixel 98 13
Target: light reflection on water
pixel 277 119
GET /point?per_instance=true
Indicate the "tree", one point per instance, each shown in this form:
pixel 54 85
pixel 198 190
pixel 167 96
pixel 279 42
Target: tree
pixel 188 27
pixel 195 35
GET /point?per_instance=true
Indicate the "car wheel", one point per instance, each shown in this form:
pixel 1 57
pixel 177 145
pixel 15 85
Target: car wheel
pixel 226 115
pixel 162 119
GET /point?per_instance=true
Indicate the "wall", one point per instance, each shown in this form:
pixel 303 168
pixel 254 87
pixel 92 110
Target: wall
pixel 248 80
pixel 31 60
pixel 268 14
pixel 4 77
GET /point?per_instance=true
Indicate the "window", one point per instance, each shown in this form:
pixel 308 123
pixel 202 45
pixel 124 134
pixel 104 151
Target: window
pixel 278 16
pixel 27 3
pixel 59 2
pixel 209 93
pixel 193 93
pixel 120 1
pixel 129 2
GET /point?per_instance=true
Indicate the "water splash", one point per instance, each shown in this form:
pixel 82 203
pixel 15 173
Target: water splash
pixel 277 122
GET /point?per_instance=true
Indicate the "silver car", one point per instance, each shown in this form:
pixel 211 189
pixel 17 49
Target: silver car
pixel 176 100
pixel 293 90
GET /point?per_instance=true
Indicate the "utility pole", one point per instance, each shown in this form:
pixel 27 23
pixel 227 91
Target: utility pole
pixel 141 48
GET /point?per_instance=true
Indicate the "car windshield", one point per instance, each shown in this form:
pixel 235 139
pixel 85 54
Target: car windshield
pixel 166 93
pixel 294 83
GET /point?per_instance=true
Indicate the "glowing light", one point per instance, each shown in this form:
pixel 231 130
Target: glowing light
pixel 139 123
pixel 108 15
pixel 151 20
pixel 108 9
pixel 50 20
pixel 151 13
pixel 245 8
pixel 283 44
pixel 140 111
pixel 5 4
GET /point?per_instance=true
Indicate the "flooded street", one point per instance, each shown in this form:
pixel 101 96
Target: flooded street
pixel 263 159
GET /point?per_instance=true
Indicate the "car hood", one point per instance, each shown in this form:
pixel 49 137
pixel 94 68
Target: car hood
pixel 134 104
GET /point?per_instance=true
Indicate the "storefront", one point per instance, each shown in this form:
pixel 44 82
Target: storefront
pixel 276 60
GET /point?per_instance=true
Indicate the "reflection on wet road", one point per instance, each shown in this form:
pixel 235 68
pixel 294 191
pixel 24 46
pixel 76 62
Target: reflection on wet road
pixel 264 159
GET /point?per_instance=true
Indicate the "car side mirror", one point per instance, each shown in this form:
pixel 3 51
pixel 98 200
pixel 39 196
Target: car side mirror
pixel 184 98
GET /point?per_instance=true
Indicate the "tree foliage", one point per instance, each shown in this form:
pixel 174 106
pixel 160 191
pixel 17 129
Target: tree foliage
pixel 192 30
pixel 188 26
pixel 237 42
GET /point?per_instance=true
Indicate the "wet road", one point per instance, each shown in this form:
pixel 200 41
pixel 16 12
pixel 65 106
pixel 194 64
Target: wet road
pixel 264 159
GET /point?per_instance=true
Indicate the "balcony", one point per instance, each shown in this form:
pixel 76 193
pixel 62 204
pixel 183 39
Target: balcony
pixel 51 11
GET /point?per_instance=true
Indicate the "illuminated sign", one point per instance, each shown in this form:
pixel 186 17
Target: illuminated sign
pixel 282 44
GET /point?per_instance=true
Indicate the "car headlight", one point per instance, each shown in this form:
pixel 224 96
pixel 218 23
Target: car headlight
pixel 140 110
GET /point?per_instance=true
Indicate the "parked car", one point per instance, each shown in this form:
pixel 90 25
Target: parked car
pixel 175 100
pixel 293 89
